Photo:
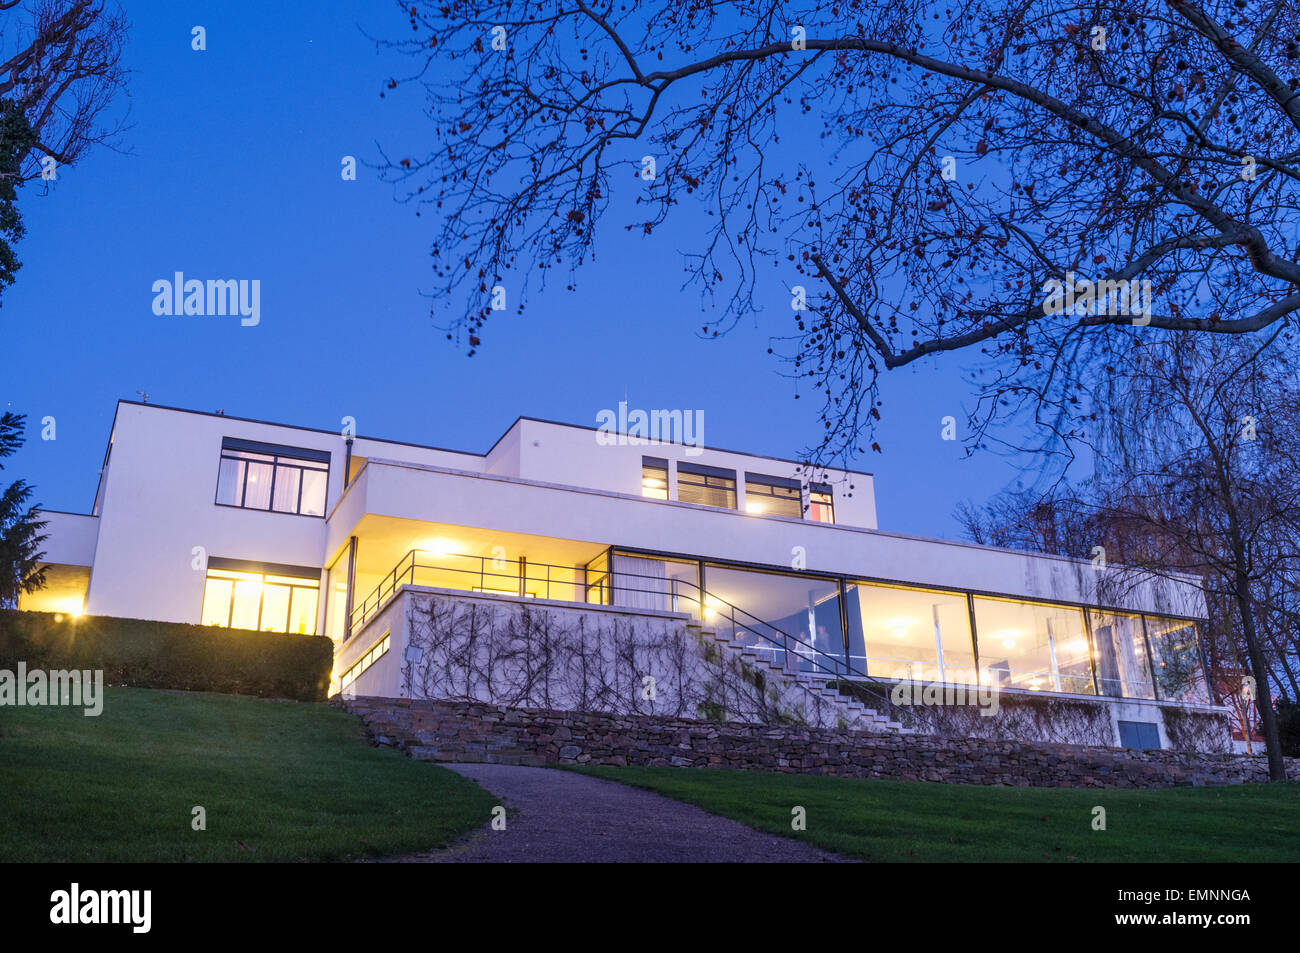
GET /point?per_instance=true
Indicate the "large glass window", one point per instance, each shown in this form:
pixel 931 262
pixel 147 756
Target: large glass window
pixel 1032 645
pixel 1123 669
pixel 1177 658
pixel 264 477
pixel 773 496
pixel 253 600
pixel 777 613
pixel 706 486
pixel 821 503
pixel 905 633
pixel 668 585
pixel 654 478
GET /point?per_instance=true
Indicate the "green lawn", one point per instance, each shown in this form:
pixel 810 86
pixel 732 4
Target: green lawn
pixel 278 780
pixel 915 821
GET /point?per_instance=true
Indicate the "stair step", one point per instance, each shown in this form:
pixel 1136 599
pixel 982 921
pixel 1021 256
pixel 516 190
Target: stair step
pixel 845 708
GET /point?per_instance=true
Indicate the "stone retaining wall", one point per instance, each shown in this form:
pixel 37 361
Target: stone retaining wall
pixel 470 731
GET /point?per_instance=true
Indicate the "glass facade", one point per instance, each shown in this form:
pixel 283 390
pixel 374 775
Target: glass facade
pixel 901 632
pixel 907 633
pixel 1123 667
pixel 793 620
pixel 1033 645
pixel 1177 661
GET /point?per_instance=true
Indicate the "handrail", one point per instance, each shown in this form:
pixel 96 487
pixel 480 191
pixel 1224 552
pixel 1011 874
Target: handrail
pixel 608 582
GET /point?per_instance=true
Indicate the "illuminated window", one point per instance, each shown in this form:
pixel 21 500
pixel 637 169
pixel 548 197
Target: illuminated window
pixel 913 634
pixel 1123 669
pixel 1176 655
pixel 821 505
pixel 787 619
pixel 772 496
pixel 239 599
pixel 1034 646
pixel 376 652
pixel 654 478
pixel 258 476
pixel 706 486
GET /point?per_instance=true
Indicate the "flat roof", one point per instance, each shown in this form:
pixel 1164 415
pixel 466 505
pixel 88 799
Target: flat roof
pixel 471 453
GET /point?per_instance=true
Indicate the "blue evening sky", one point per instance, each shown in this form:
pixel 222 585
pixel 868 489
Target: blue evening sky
pixel 232 171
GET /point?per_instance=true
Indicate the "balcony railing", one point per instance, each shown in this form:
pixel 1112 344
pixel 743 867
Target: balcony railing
pixel 520 578
pixel 523 579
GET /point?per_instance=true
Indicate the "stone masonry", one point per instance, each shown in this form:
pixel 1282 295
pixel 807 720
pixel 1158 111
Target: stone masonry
pixel 479 732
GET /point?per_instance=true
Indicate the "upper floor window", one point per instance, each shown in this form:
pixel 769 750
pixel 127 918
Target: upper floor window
pixel 707 486
pixel 821 503
pixel 773 496
pixel 654 478
pixel 263 476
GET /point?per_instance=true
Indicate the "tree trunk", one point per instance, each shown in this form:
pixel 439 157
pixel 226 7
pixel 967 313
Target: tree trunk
pixel 1258 668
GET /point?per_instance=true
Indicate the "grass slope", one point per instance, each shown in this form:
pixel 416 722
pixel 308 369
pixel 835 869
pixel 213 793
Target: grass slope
pixel 915 821
pixel 279 781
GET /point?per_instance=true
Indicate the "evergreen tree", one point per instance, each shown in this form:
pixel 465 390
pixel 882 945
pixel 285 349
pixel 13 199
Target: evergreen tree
pixel 16 139
pixel 20 527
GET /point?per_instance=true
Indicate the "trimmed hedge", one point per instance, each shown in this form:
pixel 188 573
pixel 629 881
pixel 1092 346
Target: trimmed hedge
pixel 144 654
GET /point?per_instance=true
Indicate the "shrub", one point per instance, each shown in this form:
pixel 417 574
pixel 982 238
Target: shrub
pixel 145 654
pixel 1288 727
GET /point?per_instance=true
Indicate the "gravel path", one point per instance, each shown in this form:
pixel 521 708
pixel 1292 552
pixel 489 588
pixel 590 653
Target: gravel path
pixel 560 816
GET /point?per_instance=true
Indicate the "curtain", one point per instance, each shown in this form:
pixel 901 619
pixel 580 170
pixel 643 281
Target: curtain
pixel 640 583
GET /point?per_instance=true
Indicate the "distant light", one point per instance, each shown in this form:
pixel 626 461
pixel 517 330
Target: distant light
pixel 753 507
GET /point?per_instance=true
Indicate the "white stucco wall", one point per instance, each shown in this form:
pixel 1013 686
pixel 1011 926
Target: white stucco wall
pixel 603 517
pixel 71 538
pixel 574 456
pixel 157 504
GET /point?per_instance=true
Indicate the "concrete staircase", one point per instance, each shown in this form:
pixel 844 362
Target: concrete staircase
pixel 803 694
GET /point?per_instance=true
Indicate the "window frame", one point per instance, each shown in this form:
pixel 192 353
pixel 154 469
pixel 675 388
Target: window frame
pixel 770 483
pixel 829 492
pixel 1149 728
pixel 308 574
pixel 660 464
pixel 706 473
pixel 300 459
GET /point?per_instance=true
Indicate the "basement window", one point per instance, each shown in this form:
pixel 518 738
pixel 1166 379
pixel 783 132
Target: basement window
pixel 1139 734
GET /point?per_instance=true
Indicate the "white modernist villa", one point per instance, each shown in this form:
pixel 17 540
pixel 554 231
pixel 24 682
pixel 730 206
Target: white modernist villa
pixel 212 519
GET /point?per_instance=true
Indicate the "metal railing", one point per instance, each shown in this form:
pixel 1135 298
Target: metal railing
pixel 796 654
